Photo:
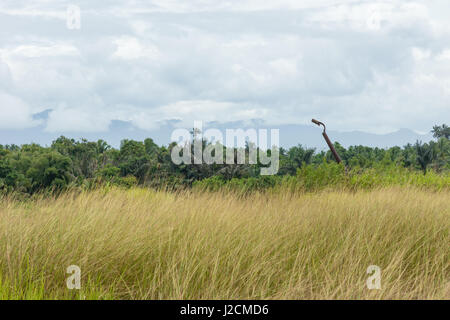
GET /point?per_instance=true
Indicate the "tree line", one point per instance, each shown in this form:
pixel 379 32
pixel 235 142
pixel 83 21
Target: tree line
pixel 30 168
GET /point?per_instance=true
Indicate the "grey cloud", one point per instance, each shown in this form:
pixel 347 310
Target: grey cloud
pixel 284 64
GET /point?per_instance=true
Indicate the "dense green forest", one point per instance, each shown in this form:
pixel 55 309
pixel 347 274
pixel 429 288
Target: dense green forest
pixel 67 163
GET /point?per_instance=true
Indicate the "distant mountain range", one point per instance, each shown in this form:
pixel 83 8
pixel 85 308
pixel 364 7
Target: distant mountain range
pixel 290 135
pixel 312 137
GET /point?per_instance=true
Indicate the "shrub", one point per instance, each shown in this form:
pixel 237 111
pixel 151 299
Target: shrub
pixel 310 178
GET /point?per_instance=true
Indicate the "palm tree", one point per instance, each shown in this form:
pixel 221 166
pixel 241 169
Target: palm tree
pixel 441 131
pixel 424 155
pixel 441 153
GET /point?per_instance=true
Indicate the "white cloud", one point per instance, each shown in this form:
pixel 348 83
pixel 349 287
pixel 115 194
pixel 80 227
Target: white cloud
pixel 66 119
pixel 284 67
pixel 15 113
pixel 5 75
pixel 376 66
pixel 420 54
pixel 36 51
pixel 208 110
pixel 131 48
pixel 444 55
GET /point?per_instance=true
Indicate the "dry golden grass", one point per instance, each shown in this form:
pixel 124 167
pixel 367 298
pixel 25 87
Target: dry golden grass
pixel 143 244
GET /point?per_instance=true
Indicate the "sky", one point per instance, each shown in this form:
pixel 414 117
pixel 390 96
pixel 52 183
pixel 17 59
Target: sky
pixel 374 66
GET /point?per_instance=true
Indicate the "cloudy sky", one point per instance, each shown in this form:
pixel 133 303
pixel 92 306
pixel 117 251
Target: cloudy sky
pixel 375 66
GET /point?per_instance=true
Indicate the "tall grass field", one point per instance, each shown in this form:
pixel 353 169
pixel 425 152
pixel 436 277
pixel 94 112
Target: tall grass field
pixel 146 244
